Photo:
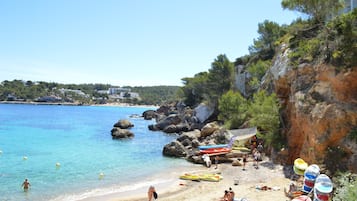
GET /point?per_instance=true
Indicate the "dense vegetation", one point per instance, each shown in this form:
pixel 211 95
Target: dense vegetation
pixel 346 185
pixel 156 95
pixel 18 90
pixel 324 36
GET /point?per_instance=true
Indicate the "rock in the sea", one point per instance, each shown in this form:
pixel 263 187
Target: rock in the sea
pixel 174 149
pixel 123 124
pixel 118 133
pixel 149 114
pixel 173 119
pixel 170 129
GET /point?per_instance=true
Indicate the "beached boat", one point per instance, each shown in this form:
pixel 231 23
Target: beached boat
pixel 298 171
pixel 212 146
pixel 241 149
pixel 210 177
pixel 222 150
pixel 192 177
pixel 202 177
pixel 300 166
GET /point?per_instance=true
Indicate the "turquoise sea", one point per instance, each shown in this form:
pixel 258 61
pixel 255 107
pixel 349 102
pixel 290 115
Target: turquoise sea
pixel 34 138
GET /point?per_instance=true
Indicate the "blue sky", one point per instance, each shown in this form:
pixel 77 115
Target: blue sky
pixel 126 42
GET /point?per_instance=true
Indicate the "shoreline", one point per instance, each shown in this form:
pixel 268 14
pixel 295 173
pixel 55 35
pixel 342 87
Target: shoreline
pixel 174 189
pixel 78 104
pixel 167 181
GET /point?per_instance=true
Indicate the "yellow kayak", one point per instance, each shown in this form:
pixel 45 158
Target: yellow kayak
pixel 202 177
pixel 211 177
pixel 300 166
pixel 192 177
pixel 242 149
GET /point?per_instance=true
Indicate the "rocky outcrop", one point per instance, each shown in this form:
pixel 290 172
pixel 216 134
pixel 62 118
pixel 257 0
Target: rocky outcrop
pixel 174 118
pixel 118 133
pixel 174 149
pixel 187 143
pixel 121 131
pixel 319 112
pixel 209 129
pixel 124 124
pixel 149 114
pixel 203 112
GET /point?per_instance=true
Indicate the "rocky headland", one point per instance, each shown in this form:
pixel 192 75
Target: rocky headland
pixel 318 117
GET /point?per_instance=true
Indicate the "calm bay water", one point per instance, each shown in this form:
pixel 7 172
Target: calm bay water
pixel 34 138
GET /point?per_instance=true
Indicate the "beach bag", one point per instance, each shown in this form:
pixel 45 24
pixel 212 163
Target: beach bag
pixel 155 195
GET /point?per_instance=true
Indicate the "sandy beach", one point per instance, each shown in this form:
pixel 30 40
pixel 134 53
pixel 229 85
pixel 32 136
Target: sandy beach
pixel 249 184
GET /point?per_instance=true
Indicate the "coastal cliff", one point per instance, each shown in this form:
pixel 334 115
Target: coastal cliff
pixel 319 112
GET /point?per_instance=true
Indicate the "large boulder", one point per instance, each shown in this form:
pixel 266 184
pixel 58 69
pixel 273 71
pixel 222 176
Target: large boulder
pixel 149 114
pixel 203 112
pixel 174 149
pixel 118 133
pixel 171 129
pixel 153 127
pixel 171 119
pixel 209 129
pixel 190 135
pixel 123 124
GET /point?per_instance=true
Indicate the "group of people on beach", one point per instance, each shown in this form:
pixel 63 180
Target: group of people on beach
pixel 256 151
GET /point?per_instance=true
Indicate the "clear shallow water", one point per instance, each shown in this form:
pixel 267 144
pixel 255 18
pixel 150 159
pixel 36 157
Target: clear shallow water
pixel 77 137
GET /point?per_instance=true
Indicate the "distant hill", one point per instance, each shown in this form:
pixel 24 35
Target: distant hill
pixel 50 92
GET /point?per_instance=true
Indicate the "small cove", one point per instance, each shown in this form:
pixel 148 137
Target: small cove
pixel 78 139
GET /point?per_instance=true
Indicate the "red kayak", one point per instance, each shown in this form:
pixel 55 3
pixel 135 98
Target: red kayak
pixel 222 150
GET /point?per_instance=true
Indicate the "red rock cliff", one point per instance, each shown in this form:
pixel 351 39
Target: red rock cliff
pixel 319 113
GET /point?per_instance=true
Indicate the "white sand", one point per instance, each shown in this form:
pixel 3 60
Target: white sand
pixel 174 189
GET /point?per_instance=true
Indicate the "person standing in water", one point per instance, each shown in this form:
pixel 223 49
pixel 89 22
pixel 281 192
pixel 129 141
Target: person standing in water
pixel 26 184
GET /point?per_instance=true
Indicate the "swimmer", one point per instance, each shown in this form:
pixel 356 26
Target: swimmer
pixel 26 184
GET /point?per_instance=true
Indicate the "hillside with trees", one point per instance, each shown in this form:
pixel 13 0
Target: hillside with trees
pixel 50 92
pixel 324 37
pixel 290 111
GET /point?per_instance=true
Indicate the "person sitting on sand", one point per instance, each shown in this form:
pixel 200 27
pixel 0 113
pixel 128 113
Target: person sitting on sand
pixel 225 196
pixel 231 194
pixel 26 184
pixel 228 195
pixel 293 191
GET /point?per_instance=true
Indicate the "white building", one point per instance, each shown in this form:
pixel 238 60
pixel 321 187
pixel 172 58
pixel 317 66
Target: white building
pixel 118 90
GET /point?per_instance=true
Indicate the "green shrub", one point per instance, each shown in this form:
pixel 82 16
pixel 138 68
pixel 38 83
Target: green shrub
pixel 345 187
